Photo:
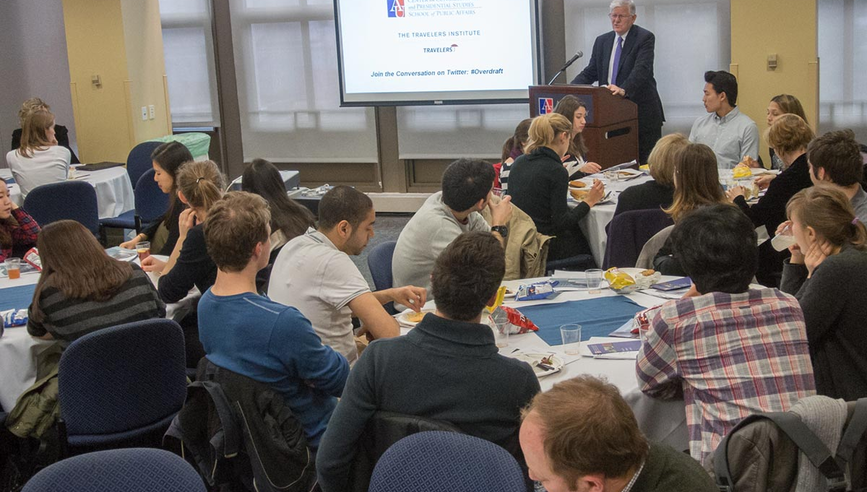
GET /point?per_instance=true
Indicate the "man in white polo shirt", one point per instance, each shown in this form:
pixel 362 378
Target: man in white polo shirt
pixel 314 274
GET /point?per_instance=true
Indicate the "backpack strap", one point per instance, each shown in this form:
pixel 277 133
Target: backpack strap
pixel 853 433
pixel 812 447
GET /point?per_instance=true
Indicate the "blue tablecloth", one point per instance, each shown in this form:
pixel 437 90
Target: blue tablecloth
pixel 597 317
pixel 16 297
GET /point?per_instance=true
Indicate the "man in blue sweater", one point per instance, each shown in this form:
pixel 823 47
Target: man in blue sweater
pixel 253 336
pixel 447 368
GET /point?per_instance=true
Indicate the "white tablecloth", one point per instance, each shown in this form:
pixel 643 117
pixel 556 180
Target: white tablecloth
pixel 660 420
pixel 18 350
pixel 593 225
pixel 114 194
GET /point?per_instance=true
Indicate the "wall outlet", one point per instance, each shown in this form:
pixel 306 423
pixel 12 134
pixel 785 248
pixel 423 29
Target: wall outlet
pixel 144 113
pixel 153 111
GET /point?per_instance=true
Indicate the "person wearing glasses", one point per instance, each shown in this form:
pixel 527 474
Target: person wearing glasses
pixel 622 59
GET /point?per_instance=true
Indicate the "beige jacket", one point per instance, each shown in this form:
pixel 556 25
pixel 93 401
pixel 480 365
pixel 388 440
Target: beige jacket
pixel 526 249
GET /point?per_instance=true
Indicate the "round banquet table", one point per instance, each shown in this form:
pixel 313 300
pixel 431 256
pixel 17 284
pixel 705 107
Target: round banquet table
pixel 19 350
pixel 661 420
pixel 594 223
pixel 114 194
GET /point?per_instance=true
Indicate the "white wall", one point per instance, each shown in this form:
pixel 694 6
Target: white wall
pixel 33 63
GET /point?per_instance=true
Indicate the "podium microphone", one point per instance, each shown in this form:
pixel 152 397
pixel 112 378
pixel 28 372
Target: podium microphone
pixel 569 63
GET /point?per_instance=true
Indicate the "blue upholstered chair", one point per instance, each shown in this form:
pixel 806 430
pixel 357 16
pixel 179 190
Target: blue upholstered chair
pixel 73 200
pixel 150 204
pixel 119 470
pixel 139 160
pixel 627 234
pixel 379 263
pixel 121 386
pixel 438 461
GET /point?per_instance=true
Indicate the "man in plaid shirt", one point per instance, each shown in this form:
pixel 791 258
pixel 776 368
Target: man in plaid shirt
pixel 733 351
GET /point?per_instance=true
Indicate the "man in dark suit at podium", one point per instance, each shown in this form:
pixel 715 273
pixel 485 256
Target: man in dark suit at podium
pixel 623 60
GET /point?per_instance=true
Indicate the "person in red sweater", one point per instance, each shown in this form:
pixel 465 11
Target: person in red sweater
pixel 18 230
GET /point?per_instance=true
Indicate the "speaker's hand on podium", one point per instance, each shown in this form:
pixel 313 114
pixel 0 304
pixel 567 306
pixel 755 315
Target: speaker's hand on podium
pixel 617 91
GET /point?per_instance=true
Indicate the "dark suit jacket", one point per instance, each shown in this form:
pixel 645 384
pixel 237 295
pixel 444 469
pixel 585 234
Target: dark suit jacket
pixel 635 74
pixel 60 133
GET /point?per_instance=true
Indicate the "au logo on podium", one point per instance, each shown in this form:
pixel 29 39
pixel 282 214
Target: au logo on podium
pixel 546 105
pixel 396 8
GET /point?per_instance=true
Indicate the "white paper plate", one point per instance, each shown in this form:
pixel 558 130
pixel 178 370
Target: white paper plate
pixel 403 318
pixel 534 358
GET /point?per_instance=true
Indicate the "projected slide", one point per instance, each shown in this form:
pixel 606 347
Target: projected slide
pixel 431 51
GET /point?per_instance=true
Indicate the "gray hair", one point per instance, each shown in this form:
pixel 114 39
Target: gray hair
pixel 623 3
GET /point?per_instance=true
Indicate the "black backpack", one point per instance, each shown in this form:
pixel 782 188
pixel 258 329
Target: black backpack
pixel 240 435
pixel 761 453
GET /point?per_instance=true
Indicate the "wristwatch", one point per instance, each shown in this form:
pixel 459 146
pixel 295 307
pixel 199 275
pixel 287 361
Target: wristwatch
pixel 502 230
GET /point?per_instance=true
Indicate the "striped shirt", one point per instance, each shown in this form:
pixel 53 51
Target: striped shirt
pixel 68 319
pixel 733 355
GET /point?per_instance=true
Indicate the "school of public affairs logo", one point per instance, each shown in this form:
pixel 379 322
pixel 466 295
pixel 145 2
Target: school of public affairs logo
pixel 546 105
pixel 396 8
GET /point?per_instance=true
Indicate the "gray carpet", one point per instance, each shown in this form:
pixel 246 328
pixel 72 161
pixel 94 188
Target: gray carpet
pixel 386 228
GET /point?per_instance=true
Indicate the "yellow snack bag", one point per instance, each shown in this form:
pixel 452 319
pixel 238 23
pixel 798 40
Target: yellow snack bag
pixel 741 171
pixel 501 294
pixel 618 280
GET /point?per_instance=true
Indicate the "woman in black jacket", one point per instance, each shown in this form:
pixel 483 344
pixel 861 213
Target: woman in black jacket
pixel 539 185
pixel 789 137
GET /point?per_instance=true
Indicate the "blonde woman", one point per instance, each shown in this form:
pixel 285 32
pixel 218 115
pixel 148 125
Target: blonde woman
pixel 61 133
pixel 658 193
pixel 39 160
pixel 539 185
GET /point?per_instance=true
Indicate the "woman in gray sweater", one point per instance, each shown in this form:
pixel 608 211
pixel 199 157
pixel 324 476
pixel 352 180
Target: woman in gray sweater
pixel 828 275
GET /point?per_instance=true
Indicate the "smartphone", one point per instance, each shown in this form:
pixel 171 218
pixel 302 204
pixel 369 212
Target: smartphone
pixel 681 283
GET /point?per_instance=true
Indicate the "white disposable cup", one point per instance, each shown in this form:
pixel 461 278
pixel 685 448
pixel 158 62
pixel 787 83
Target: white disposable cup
pixel 781 242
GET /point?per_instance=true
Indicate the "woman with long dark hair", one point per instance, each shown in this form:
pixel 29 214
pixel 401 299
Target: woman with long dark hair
pixel 163 233
pixel 82 289
pixel 575 110
pixel 288 218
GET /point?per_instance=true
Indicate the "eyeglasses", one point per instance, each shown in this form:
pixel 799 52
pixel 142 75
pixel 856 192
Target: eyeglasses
pixel 618 16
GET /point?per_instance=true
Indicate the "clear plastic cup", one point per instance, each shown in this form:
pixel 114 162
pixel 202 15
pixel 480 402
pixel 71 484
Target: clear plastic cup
pixel 143 249
pixel 593 277
pixel 571 337
pixel 783 239
pixel 13 268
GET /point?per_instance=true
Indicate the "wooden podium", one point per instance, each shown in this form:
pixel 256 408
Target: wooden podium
pixel 611 133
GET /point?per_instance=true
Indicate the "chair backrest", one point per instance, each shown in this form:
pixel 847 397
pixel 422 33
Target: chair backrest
pixel 380 433
pixel 120 383
pixel 379 263
pixel 74 200
pixel 652 247
pixel 150 201
pixel 446 461
pixel 119 470
pixel 628 232
pixel 139 160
